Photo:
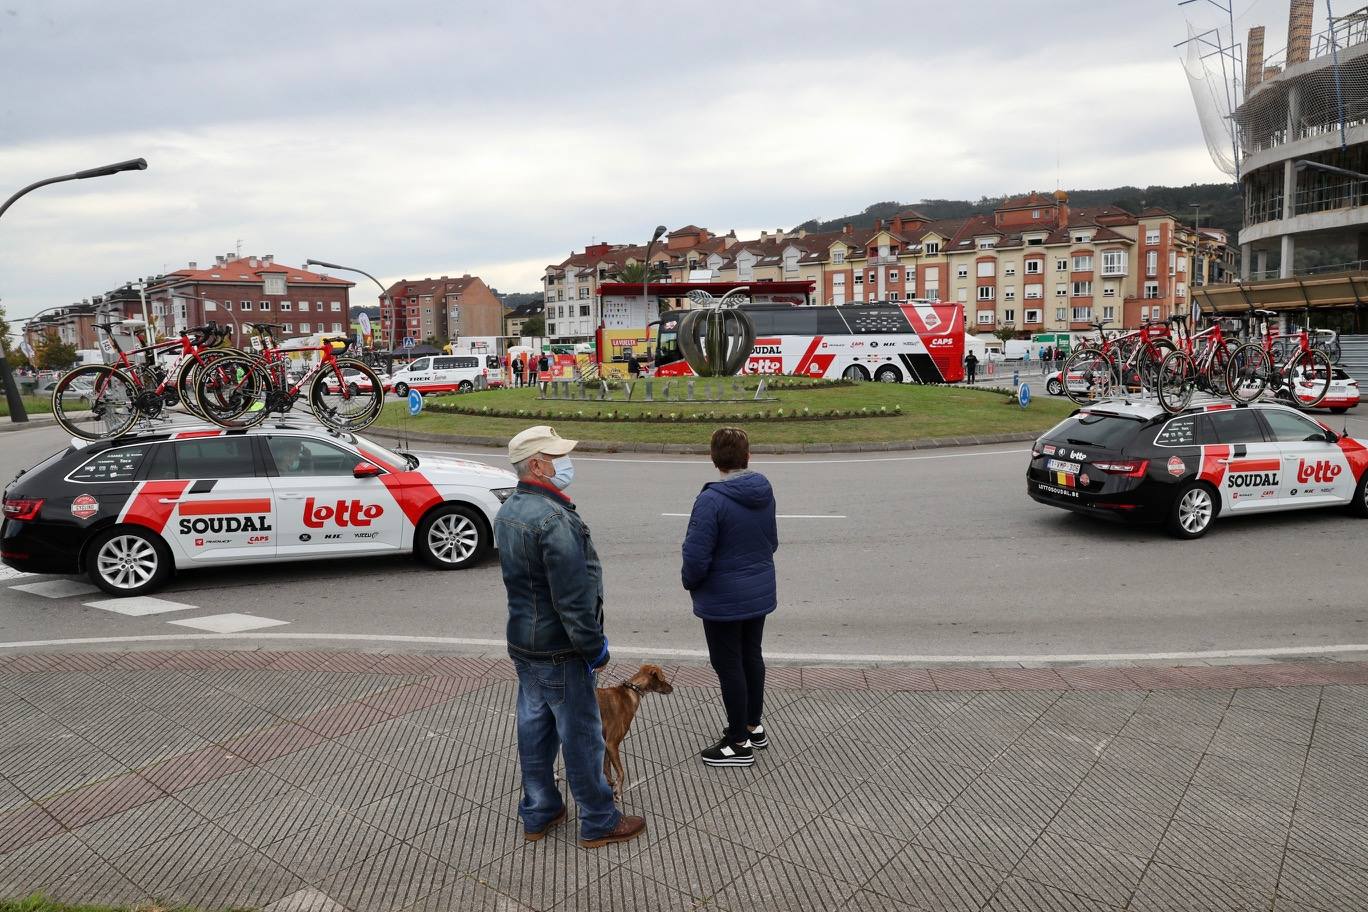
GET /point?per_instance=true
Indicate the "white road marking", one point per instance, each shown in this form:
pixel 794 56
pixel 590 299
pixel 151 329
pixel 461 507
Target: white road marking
pixel 784 515
pixel 140 606
pixel 858 658
pixel 703 458
pixel 232 622
pixel 58 588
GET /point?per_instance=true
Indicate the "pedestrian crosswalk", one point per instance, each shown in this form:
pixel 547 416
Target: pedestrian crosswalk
pixel 56 588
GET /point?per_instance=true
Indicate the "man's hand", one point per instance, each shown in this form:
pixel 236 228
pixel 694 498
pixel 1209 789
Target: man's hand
pixel 602 660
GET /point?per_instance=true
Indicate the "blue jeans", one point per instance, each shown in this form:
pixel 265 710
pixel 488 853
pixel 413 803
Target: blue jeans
pixel 558 711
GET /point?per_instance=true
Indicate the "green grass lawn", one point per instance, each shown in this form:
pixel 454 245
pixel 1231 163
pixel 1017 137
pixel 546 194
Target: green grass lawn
pixel 36 405
pixel 927 411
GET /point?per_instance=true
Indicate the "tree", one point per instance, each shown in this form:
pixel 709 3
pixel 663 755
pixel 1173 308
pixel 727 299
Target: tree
pixel 1005 332
pixel 633 272
pixel 533 326
pixel 52 353
pixel 4 331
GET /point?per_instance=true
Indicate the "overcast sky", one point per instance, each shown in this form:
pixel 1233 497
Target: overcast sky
pixel 427 138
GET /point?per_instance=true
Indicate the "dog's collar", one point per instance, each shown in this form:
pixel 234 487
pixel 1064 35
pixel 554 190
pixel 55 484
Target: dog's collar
pixel 637 687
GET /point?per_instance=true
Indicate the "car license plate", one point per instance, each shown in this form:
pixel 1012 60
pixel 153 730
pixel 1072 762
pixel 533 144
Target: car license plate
pixel 1059 465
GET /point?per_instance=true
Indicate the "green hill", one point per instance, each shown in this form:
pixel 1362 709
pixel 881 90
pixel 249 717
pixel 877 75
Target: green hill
pixel 1220 205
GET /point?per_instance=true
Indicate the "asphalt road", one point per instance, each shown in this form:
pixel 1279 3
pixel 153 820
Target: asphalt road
pixel 925 553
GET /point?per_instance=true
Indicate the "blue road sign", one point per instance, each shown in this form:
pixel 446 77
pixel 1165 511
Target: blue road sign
pixel 415 402
pixel 1024 395
pixel 408 342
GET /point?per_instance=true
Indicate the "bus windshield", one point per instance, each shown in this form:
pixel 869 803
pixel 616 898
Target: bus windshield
pixel 667 345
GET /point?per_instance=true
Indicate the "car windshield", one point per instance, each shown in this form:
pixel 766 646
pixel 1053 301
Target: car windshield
pixel 1110 432
pixel 385 453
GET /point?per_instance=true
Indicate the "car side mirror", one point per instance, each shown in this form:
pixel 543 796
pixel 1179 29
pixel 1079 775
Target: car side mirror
pixel 1331 437
pixel 365 470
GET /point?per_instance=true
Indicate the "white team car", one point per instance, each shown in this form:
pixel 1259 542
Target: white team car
pixel 127 512
pixel 1054 383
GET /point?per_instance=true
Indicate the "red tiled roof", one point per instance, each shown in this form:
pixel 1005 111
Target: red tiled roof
pixel 444 286
pixel 241 270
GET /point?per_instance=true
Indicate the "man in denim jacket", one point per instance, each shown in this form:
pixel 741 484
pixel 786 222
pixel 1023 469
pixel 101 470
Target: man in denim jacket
pixel 556 641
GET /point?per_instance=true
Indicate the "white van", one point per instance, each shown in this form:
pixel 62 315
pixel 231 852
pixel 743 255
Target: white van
pixel 440 374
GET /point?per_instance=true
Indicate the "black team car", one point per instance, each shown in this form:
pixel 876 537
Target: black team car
pixel 1134 461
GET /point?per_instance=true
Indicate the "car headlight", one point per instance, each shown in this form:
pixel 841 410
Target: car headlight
pixel 502 493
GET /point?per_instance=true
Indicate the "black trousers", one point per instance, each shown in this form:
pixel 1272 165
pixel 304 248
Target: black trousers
pixel 734 650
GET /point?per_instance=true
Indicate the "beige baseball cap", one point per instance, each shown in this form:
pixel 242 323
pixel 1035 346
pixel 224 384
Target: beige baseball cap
pixel 538 439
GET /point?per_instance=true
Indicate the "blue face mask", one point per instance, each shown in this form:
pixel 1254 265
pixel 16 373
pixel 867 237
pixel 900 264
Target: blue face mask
pixel 565 472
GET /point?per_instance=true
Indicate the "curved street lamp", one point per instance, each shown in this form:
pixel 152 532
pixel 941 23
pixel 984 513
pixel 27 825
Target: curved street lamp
pixel 16 402
pixel 384 292
pixel 646 270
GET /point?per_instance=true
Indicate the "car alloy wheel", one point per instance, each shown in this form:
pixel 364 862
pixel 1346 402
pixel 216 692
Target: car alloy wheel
pixel 453 538
pixel 127 561
pixel 1194 511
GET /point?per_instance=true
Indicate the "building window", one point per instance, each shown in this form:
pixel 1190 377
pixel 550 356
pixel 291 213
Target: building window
pixel 838 256
pixel 985 318
pixel 1033 316
pixel 303 306
pixel 932 292
pixel 584 310
pixel 1151 289
pixel 986 243
pixel 1035 267
pixel 892 275
pixel 1152 237
pixel 1082 289
pixel 288 327
pixel 987 269
pixel 584 294
pixel 1009 316
pixel 962 271
pixel 1109 290
pixel 1109 313
pixel 1082 264
pixel 962 294
pixel 859 278
pixel 985 292
pixel 1061 313
pixel 244 305
pixel 1113 262
pixel 892 296
pixel 1009 269
pixel 1181 290
pixel 1152 263
pixel 305 327
pixel 932 248
pixel 1061 290
pixel 274 284
pixel 337 327
pixel 336 306
pixel 1035 213
pixel 1083 237
pixel 1035 291
pixel 285 306
pixel 1082 314
pixel 1182 265
pixel 210 305
pixel 1009 293
pixel 1173 262
pixel 1061 264
pixel 265 305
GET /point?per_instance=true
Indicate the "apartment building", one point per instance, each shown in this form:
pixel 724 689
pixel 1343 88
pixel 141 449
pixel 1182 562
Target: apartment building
pixel 442 308
pixel 1034 264
pixel 237 290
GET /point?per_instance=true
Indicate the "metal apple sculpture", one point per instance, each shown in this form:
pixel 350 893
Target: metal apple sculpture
pixel 717 339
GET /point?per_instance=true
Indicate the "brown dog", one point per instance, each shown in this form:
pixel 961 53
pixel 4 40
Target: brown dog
pixel 618 706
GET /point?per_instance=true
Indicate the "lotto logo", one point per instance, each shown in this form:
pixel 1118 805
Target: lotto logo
pixel 1322 470
pixel 343 513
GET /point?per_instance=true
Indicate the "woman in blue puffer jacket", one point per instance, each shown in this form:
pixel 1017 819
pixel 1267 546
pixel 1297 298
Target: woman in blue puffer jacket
pixel 729 571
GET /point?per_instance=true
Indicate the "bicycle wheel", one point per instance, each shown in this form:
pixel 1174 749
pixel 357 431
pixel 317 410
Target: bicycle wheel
pixel 95 402
pixel 186 377
pixel 1087 376
pixel 1175 381
pixel 1147 365
pixel 1248 373
pixel 1215 378
pixel 231 391
pixel 349 406
pixel 1308 377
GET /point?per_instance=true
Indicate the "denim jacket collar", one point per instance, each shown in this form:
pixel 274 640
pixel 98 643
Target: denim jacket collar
pixel 538 487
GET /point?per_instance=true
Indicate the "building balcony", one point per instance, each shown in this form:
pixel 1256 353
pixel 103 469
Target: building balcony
pixel 881 261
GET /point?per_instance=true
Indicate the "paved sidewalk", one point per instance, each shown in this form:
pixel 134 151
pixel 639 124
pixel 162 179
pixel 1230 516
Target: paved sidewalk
pixel 330 780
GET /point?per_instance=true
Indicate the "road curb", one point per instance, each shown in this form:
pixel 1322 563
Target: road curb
pixel 606 446
pixel 41 421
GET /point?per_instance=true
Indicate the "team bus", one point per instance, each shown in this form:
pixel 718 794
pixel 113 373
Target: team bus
pixel 895 342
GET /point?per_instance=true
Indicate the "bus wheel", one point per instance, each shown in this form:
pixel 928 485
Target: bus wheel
pixel 855 373
pixel 888 374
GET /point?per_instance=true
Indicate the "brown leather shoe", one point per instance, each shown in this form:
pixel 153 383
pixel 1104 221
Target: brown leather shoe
pixel 628 828
pixel 534 835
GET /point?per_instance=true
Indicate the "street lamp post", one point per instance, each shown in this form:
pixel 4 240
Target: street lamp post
pixel 384 294
pixel 16 402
